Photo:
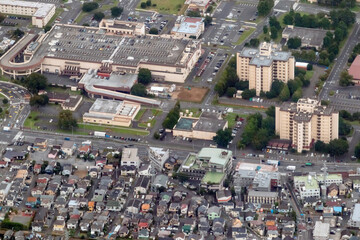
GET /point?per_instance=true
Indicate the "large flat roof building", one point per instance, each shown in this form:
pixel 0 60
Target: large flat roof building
pixel 72 50
pixel 40 13
pixel 354 220
pixel 321 231
pixel 354 70
pixel 310 37
pixel 305 122
pixel 204 127
pixel 264 65
pixel 112 112
pixel 188 27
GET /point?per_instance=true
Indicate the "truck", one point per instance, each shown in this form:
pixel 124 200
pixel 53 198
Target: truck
pixel 291 168
pixel 6 129
pixel 273 162
pixel 99 134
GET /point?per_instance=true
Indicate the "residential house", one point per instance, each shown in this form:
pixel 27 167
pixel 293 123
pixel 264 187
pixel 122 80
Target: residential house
pixel 142 185
pixel 59 225
pixel 342 189
pixel 10 156
pixel 333 190
pixel 145 170
pixel 134 206
pixel 68 147
pixel 213 212
pixel 160 182
pixel 38 223
pixel 40 144
pixel 223 196
pixel 67 170
pixel 130 157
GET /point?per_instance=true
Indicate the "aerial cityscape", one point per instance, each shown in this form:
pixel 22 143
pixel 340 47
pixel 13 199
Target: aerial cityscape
pixel 180 119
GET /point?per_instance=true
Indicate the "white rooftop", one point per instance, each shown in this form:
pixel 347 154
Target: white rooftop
pixel 42 8
pixel 189 26
pixel 356 213
pixel 321 229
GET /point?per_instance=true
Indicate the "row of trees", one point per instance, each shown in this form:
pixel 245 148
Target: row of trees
pixel 229 81
pixel 146 4
pixel 336 147
pixel 264 7
pixel 338 3
pixel 306 20
pixel 258 130
pixel 346 79
pixel 172 117
pixel 355 52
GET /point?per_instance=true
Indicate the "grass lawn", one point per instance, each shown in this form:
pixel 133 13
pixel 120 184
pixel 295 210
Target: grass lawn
pixel 140 114
pixel 58 12
pixel 156 112
pixel 309 74
pixel 165 6
pixel 31 120
pixel 230 117
pixel 145 124
pixel 62 90
pixel 102 128
pixel 356 8
pixel 244 36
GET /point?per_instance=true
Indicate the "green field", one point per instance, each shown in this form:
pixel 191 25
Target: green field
pixel 110 129
pixel 309 74
pixel 139 114
pixel 165 6
pixel 31 120
pixel 230 117
pixel 244 36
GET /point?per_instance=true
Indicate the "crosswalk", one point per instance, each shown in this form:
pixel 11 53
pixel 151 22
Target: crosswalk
pixel 248 4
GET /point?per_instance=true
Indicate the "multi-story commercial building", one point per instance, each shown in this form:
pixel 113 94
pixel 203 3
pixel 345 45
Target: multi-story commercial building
pixel 122 27
pixel 40 13
pixel 112 112
pixel 72 50
pixel 130 157
pixel 308 186
pixel 264 65
pixel 210 165
pixel 321 231
pixel 188 27
pixel 305 122
pixel 354 220
pixel 158 157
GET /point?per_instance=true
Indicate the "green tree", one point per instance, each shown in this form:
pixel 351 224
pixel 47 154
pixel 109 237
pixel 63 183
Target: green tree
pixel 248 93
pixel 230 92
pixel 39 100
pixel 154 31
pixel 320 146
pixel 294 43
pixel 357 151
pixel 264 7
pixel 270 112
pixel 254 42
pixel 98 16
pixel 89 6
pixel 275 89
pixel 172 117
pixel 5 101
pixel 66 120
pixel 297 95
pixel 193 14
pixel 223 137
pixel 288 19
pixel 338 147
pixel 47 28
pixel 274 33
pixel 284 94
pixel 148 3
pixel 35 82
pixel 144 76
pixel 209 9
pixel 260 140
pixel 18 33
pixel 344 127
pixel 138 89
pixel 116 11
pixel 143 5
pixel 345 79
pixel 207 20
pixel 265 29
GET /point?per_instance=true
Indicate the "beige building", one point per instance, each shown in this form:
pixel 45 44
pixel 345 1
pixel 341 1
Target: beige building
pixel 264 65
pixel 62 51
pixel 122 27
pixel 305 122
pixel 198 5
pixel 204 127
pixel 40 13
pixel 112 112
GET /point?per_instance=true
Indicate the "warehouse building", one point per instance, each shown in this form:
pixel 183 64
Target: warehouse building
pixel 40 13
pixel 310 37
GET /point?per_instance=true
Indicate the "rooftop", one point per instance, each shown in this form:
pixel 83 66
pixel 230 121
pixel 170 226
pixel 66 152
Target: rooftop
pixel 321 229
pixel 213 177
pixel 188 25
pixel 42 9
pixel 253 193
pixel 215 155
pixel 308 181
pixel 106 106
pixel 185 124
pixel 116 81
pixel 354 69
pixel 308 36
pixel 356 213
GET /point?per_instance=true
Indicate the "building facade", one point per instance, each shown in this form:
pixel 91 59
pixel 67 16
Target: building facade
pixel 262 197
pixel 158 157
pixel 305 122
pixel 40 13
pixel 264 65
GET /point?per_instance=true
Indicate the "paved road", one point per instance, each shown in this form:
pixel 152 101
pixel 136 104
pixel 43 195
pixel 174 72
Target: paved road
pixel 332 83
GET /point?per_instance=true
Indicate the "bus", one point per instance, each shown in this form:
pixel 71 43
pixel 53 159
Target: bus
pixel 308 164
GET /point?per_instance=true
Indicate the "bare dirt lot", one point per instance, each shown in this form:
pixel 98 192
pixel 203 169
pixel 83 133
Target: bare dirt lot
pixel 190 94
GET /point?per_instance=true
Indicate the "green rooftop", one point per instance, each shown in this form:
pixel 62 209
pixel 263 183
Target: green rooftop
pixel 213 177
pixel 216 155
pixel 190 160
pixel 184 124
